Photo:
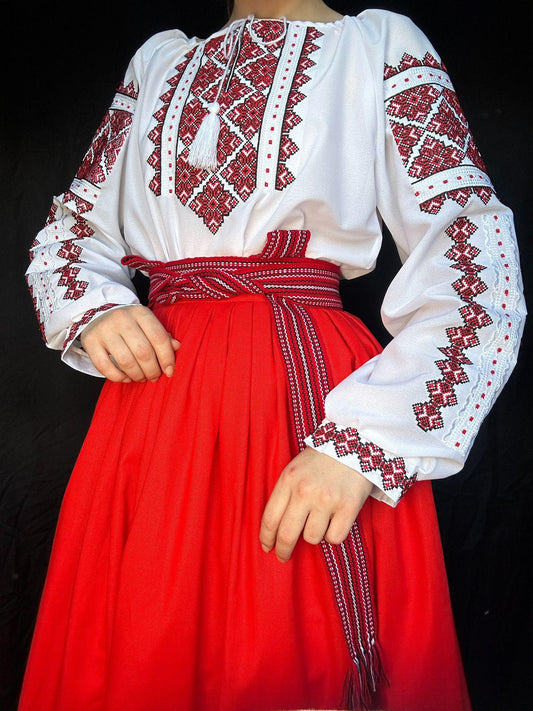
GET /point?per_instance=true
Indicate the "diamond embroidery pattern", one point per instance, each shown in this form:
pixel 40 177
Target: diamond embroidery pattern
pixel 347 441
pixel 213 203
pixel 432 134
pixel 240 173
pixel 67 253
pixel 71 252
pixel 104 149
pixel 214 196
pixel 474 317
pixel 291 119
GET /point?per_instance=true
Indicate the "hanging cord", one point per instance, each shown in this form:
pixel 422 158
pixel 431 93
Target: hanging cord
pixel 203 151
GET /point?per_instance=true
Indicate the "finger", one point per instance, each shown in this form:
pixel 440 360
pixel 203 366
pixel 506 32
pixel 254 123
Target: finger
pixel 103 363
pixel 272 515
pixel 140 349
pixel 126 379
pixel 340 524
pixel 138 358
pixel 161 342
pixel 123 354
pixel 120 335
pixel 316 526
pixel 290 528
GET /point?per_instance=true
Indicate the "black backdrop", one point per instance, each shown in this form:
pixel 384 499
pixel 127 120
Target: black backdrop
pixel 58 78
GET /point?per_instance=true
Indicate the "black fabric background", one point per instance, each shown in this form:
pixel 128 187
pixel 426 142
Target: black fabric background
pixel 61 66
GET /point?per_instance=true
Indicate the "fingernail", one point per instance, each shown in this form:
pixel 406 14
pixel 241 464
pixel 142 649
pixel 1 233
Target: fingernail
pixel 169 371
pixel 265 548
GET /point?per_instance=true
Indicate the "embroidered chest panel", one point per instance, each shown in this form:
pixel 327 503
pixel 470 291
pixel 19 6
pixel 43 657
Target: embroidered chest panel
pixel 259 109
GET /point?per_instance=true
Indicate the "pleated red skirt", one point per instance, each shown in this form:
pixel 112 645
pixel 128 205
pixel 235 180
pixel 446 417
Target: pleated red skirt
pixel 158 595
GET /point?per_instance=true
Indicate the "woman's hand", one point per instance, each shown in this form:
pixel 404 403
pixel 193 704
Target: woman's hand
pixel 128 344
pixel 315 495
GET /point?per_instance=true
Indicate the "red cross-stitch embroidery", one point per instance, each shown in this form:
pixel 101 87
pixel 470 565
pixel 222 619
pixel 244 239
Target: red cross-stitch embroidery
pixel 248 115
pixel 410 61
pixel 242 112
pixel 474 317
pixel 291 119
pixel 213 204
pixel 432 134
pixel 67 254
pixel 85 319
pixel 241 172
pixel 71 252
pixel 105 147
pixel 371 457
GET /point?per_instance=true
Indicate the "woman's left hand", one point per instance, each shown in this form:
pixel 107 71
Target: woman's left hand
pixel 316 496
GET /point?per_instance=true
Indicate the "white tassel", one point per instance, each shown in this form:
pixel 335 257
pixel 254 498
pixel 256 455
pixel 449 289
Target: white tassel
pixel 203 151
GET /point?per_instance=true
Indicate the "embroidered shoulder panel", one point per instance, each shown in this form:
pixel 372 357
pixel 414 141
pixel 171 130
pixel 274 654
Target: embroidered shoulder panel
pixel 104 150
pixel 432 134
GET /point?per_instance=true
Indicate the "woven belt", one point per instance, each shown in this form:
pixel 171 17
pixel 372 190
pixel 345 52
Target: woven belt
pixel 291 282
pixel 310 282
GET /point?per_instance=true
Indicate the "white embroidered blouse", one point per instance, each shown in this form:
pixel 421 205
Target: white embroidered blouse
pixel 330 127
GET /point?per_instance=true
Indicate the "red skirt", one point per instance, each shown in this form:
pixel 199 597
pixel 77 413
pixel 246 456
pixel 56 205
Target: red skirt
pixel 158 595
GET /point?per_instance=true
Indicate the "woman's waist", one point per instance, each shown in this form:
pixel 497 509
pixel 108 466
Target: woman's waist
pixel 280 272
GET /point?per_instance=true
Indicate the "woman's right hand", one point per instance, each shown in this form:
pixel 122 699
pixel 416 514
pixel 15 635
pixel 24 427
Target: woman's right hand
pixel 130 343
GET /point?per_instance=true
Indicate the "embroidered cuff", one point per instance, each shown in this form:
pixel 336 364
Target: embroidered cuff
pixel 72 353
pixel 389 474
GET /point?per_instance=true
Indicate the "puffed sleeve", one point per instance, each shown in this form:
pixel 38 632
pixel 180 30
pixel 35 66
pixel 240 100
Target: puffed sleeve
pixel 75 272
pixel 455 309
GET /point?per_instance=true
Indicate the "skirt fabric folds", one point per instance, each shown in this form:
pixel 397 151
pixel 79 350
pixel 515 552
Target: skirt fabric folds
pixel 158 595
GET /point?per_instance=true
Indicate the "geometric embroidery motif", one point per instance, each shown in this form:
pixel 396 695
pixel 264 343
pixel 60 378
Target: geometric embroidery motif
pixel 432 134
pixel 214 195
pixel 85 319
pixel 103 151
pixel 291 119
pixel 66 252
pixel 371 457
pixel 71 253
pixel 460 338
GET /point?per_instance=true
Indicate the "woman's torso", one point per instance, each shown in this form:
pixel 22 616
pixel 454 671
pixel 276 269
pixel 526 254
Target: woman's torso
pixel 296 146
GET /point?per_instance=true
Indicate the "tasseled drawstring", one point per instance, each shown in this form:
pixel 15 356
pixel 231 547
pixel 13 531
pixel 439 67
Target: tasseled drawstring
pixel 203 152
pixel 204 148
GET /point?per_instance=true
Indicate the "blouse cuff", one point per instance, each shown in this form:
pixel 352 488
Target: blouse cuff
pixel 392 476
pixel 72 352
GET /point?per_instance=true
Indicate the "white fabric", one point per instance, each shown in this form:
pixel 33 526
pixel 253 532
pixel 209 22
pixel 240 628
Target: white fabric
pixel 327 113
